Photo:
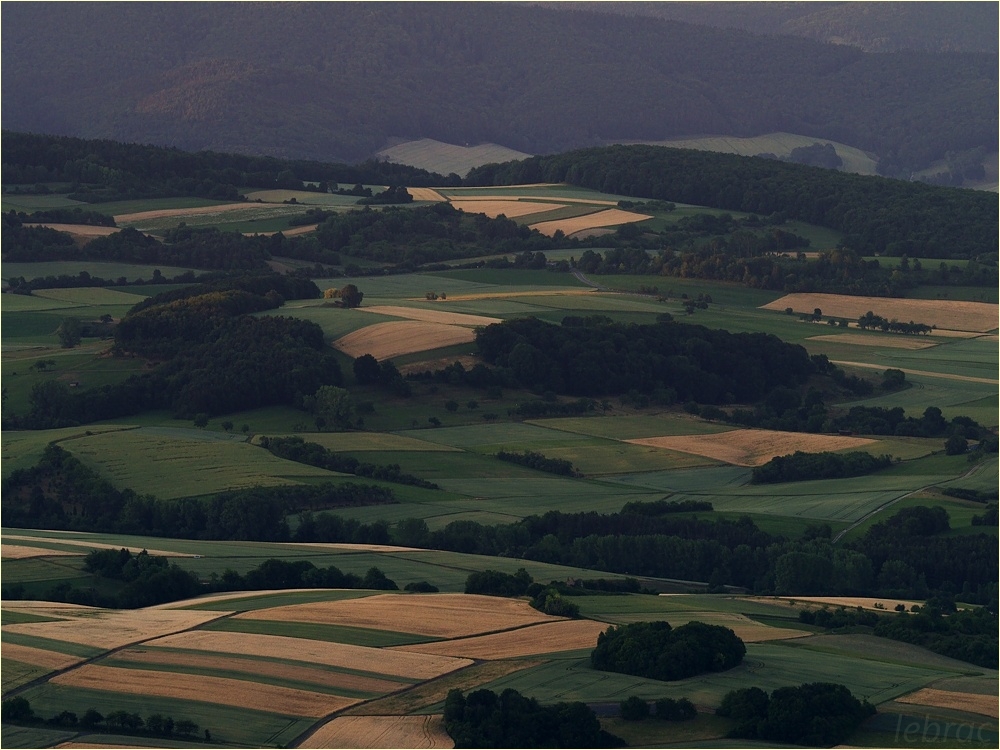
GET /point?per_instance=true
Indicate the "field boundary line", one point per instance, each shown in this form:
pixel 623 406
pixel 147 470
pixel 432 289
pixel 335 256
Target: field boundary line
pixel 926 373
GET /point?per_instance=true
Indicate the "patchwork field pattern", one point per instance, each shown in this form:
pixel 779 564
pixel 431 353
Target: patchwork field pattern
pixel 39 657
pixel 550 637
pixel 509 208
pixel 402 732
pixel 441 615
pixel 752 447
pixel 890 341
pixel 610 218
pixel 20 552
pixel 977 704
pixel 950 314
pixel 432 316
pixel 388 340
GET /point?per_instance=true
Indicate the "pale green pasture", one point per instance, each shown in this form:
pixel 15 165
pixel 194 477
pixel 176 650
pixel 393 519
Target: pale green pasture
pixel 16 673
pixel 490 438
pixel 597 302
pixel 173 467
pixel 302 197
pixel 612 457
pixel 31 737
pixel 117 208
pixel 404 286
pixel 334 321
pixel 632 426
pixel 31 303
pixel 373 441
pixel 31 203
pixel 226 724
pixel 982 476
pixel 23 448
pixel 553 192
pixel 90 296
pixel 99 269
pixel 953 397
pixel 253 212
pixel 445 158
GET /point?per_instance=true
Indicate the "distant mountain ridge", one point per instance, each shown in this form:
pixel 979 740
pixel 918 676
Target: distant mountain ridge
pixel 333 81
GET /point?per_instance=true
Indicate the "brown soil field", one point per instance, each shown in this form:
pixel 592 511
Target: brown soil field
pixel 887 340
pixel 302 672
pixel 925 373
pixel 977 704
pixel 105 628
pixel 80 230
pixel 39 657
pixel 609 218
pixel 425 194
pixel 439 615
pixel 164 213
pixel 432 316
pixel 549 637
pixel 392 339
pixel 382 731
pixel 850 602
pixel 221 690
pixel 509 208
pixel 751 447
pixel 19 552
pixel 950 314
pixel 89 545
pixel 362 658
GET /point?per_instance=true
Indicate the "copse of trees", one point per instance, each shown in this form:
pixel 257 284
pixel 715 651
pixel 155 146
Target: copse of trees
pixel 660 652
pixel 18 710
pixel 800 466
pixel 535 460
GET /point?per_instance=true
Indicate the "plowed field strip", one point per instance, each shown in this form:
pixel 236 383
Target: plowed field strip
pixel 611 217
pixel 91 545
pixel 509 208
pixel 977 704
pixel 393 339
pixel 432 316
pixel 299 673
pixel 20 552
pixel 39 657
pixel 221 690
pixel 546 638
pixel 361 658
pixel 382 731
pixel 110 629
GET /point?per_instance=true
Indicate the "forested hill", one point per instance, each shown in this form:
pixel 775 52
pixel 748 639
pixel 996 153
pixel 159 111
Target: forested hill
pixel 333 81
pixel 877 215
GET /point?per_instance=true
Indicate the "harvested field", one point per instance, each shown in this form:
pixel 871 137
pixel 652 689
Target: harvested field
pixel 440 615
pixel 950 314
pixel 850 602
pixel 221 690
pixel 299 672
pixel 89 545
pixel 925 373
pixel 509 208
pixel 888 340
pixel 431 316
pixel 224 596
pixel 977 704
pixel 19 552
pixel 425 194
pixel 362 658
pixel 382 731
pixel 549 637
pixel 563 199
pixel 752 447
pixel 393 339
pixel 610 218
pixel 80 230
pixel 39 657
pixel 165 213
pixel 106 628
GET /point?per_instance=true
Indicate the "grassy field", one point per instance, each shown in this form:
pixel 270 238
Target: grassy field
pixel 447 158
pixel 130 271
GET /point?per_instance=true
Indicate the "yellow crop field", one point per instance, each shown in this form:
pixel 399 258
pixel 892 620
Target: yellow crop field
pixel 39 657
pixel 220 690
pixel 105 628
pixel 301 672
pixel 610 218
pixel 165 213
pixel 851 602
pixel 547 638
pixel 80 230
pixel 949 314
pixel 432 316
pixel 88 545
pixel 564 199
pixel 20 552
pixel 382 731
pixel 425 194
pixel 889 341
pixel 752 447
pixel 509 208
pixel 977 704
pixel 363 658
pixel 393 339
pixel 440 615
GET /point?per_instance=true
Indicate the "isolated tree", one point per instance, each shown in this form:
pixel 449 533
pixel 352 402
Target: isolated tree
pixel 335 405
pixel 956 445
pixel 350 296
pixel 367 370
pixel 69 333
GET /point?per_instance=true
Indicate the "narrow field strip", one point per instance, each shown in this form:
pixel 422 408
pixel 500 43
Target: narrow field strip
pixel 20 552
pixel 610 218
pixel 82 230
pixel 90 545
pixel 503 196
pixel 361 658
pixel 402 732
pixel 220 690
pixel 301 672
pixel 112 628
pixel 547 638
pixel 924 373
pixel 509 208
pixel 425 194
pixel 431 316
pixel 38 657
pixel 886 340
pixel 393 339
pixel 164 213
pixel 977 704
pixel 752 447
pixel 440 615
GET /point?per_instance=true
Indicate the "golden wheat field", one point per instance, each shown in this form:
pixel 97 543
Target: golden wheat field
pixel 361 658
pixel 546 638
pixel 751 447
pixel 889 341
pixel 106 628
pixel 561 198
pixel 432 316
pixel 393 339
pixel 838 601
pixel 381 731
pixel 89 545
pixel 221 690
pixel 425 194
pixel 509 208
pixel 609 218
pixel 439 615
pixel 20 552
pixel 977 704
pixel 950 314
pixel 301 672
pixel 39 657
